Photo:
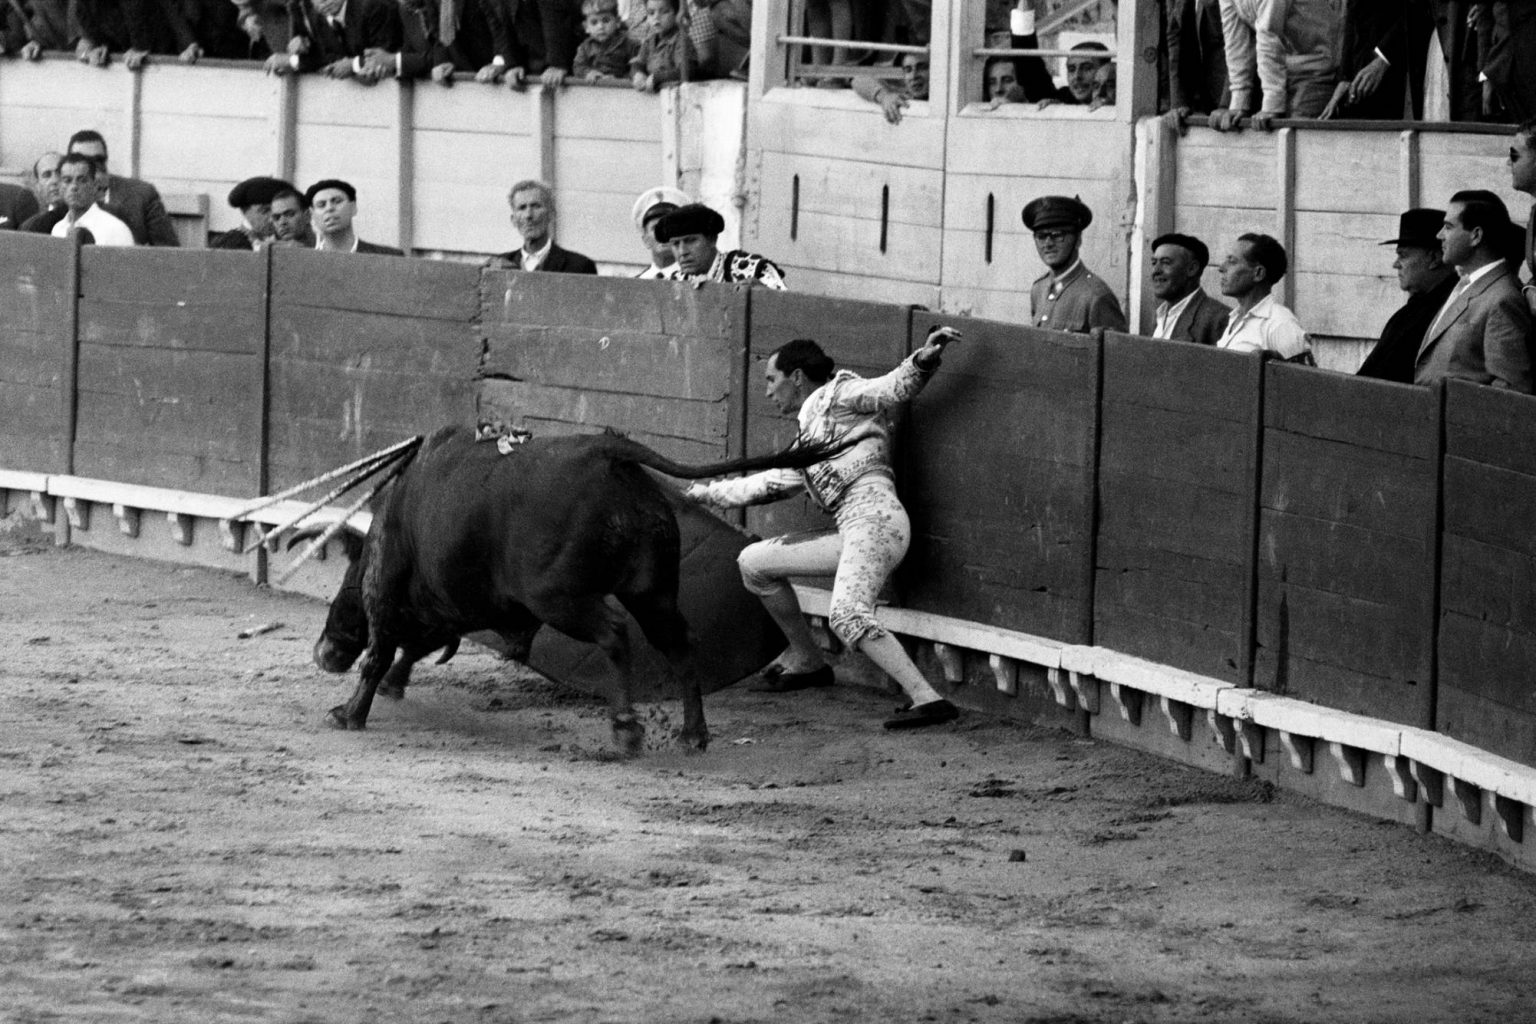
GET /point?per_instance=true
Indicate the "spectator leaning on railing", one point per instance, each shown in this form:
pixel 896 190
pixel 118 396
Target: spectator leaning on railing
pixel 1196 56
pixel 333 37
pixel 1284 51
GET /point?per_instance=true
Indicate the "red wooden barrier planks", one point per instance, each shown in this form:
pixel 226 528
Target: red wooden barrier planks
pixel 568 353
pixel 1178 476
pixel 34 351
pixel 170 368
pixel 1487 643
pixel 866 337
pixel 998 477
pixel 365 351
pixel 1347 539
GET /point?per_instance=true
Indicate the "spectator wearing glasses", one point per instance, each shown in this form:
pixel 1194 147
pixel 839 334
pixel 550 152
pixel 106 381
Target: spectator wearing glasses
pixel 1069 296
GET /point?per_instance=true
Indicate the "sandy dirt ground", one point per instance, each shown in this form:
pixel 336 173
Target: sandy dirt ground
pixel 182 839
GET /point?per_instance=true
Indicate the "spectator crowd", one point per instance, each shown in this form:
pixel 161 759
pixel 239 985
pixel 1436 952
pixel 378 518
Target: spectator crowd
pixel 1466 314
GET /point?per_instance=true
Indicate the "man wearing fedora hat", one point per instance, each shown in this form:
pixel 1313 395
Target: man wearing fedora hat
pixel 1069 297
pixel 693 231
pixel 654 204
pixel 1427 280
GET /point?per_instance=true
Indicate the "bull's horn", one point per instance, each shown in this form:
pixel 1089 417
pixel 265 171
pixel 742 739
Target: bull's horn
pixel 350 536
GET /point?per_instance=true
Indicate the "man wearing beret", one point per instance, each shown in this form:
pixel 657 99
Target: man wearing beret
pixel 1185 312
pixel 654 204
pixel 253 198
pixel 533 214
pixel 693 231
pixel 1428 280
pixel 333 206
pixel 1070 297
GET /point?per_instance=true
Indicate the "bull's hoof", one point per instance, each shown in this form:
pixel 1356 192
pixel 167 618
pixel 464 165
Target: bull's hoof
pixel 394 691
pixel 694 742
pixel 628 734
pixel 338 720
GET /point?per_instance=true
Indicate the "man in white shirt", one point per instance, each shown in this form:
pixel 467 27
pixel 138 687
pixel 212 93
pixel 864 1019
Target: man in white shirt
pixel 1289 47
pixel 78 187
pixel 1259 323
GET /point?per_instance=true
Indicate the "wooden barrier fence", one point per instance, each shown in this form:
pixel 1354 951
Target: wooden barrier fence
pixel 1254 525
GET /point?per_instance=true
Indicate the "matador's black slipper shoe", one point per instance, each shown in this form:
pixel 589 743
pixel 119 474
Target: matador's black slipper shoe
pixel 776 680
pixel 935 712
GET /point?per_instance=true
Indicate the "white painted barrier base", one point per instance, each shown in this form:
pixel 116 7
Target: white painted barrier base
pixel 1393 771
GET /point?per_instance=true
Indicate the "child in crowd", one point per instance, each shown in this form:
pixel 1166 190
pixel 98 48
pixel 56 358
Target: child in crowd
pixel 608 48
pixel 667 55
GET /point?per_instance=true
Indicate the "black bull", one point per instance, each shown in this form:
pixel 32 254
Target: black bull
pixel 468 540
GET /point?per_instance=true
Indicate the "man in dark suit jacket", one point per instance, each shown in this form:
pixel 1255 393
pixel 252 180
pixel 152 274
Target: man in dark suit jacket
pixel 1482 334
pixel 1196 55
pixel 533 214
pixel 17 206
pixel 1184 311
pixel 333 205
pixel 332 36
pixel 1382 60
pixel 1427 280
pixel 137 202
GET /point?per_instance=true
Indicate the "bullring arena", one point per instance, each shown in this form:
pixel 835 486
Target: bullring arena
pixel 1242 648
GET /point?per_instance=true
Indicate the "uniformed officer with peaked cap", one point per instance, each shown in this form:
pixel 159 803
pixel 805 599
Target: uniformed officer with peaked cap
pixel 1070 297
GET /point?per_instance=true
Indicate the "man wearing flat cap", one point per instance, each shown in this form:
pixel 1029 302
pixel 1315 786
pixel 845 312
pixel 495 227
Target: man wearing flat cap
pixel 693 231
pixel 332 208
pixel 533 214
pixel 1070 297
pixel 1428 280
pixel 654 204
pixel 253 198
pixel 1184 311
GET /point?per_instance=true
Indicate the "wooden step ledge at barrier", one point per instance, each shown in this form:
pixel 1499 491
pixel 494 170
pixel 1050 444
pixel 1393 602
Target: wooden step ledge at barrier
pixel 35 486
pixel 1349 739
pixel 1131 680
pixel 951 638
pixel 181 508
pixel 1473 772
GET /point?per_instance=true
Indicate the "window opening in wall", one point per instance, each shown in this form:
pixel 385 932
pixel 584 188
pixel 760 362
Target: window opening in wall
pixel 1048 52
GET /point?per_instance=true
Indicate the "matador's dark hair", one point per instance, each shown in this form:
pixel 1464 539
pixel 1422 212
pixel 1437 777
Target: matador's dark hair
pixel 803 354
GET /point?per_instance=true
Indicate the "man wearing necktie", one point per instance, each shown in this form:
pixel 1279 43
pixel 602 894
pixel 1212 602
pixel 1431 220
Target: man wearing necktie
pixel 1482 333
pixel 1069 297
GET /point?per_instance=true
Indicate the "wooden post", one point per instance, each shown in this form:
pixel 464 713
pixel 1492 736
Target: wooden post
pixel 283 118
pixel 1247 636
pixel 1285 206
pixel 1090 485
pixel 1409 169
pixel 1138 38
pixel 259 562
pixel 69 383
pixel 404 133
pixel 127 148
pixel 544 130
pixel 766 68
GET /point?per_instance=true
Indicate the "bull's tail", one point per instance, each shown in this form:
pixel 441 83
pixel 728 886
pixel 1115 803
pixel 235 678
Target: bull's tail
pixel 796 456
